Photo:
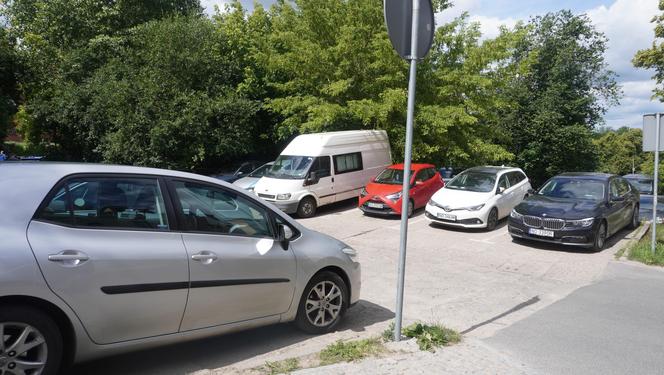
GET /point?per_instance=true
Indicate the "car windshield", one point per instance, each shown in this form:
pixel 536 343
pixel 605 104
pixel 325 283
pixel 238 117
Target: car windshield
pixel 290 167
pixel 573 188
pixel 391 176
pixel 480 182
pixel 643 186
pixel 261 171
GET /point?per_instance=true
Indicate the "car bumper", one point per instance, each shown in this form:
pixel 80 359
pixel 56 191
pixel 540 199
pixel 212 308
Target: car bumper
pixel 388 207
pixel 568 237
pixel 289 207
pixel 463 218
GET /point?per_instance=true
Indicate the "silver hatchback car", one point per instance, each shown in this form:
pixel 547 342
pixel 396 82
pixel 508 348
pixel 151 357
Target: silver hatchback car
pixel 100 259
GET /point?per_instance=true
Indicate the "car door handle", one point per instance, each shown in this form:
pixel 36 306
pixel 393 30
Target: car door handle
pixel 205 257
pixel 69 258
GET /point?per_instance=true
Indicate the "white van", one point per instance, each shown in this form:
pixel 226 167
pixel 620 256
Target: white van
pixel 318 169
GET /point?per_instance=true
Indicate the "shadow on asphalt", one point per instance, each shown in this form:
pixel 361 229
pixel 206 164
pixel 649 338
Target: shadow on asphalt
pixel 220 351
pixel 514 309
pixel 612 241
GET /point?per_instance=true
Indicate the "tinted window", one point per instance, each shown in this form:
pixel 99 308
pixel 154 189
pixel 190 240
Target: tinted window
pixel 321 166
pixel 348 163
pixel 515 177
pixel 613 189
pixel 109 203
pixel 260 172
pixel 215 210
pixel 623 187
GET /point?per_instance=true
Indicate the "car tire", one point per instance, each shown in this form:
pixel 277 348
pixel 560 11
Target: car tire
pixel 411 208
pixel 316 313
pixel 599 241
pixel 307 207
pixel 636 219
pixel 492 219
pixel 42 343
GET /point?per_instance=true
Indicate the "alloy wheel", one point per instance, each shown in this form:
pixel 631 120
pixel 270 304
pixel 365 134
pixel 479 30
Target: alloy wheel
pixel 23 349
pixel 324 303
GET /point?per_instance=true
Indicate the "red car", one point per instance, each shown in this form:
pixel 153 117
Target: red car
pixel 382 196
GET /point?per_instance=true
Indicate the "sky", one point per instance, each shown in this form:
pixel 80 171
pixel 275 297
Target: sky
pixel 626 23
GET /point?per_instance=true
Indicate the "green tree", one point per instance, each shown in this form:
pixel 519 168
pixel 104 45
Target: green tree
pixel 561 99
pixel 653 57
pixel 328 65
pixel 9 89
pixel 64 44
pixel 620 151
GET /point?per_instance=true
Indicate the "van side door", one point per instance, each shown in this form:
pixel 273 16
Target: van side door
pixel 323 187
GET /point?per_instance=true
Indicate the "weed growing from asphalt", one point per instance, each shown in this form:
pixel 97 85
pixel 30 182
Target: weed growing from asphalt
pixel 428 337
pixel 349 351
pixel 282 367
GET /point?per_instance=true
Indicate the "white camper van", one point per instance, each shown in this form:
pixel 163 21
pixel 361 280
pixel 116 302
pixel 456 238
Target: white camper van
pixel 318 169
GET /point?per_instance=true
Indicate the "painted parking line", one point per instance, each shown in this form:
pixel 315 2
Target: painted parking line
pixel 488 239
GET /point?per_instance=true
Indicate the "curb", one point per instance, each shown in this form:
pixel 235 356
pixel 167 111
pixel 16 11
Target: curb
pixel 636 237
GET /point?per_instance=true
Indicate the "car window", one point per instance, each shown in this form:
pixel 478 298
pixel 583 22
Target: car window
pixel 503 182
pixel 109 203
pixel 623 187
pixel 515 177
pixel 421 176
pixel 216 210
pixel 574 188
pixel 321 166
pixel 613 189
pixel 473 181
pixel 348 163
pixel 261 171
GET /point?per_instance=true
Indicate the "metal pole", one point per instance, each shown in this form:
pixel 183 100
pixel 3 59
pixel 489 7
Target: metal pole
pixel 406 170
pixel 653 244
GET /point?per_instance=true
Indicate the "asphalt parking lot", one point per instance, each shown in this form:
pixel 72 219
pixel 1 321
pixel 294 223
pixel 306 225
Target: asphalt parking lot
pixel 474 281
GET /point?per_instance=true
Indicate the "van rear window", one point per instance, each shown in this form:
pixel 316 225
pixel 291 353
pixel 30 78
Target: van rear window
pixel 348 163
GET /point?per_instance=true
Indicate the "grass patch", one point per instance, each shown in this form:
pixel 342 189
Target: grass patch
pixel 641 251
pixel 428 337
pixel 282 367
pixel 350 351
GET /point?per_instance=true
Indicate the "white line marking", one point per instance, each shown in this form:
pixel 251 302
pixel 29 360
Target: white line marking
pixel 398 226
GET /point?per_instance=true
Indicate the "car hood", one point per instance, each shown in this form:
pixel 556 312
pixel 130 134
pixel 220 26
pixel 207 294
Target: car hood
pixel 563 208
pixel 460 198
pixel 382 190
pixel 246 182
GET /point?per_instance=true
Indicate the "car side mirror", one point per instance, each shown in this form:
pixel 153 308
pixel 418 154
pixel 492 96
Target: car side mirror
pixel 312 179
pixel 532 192
pixel 285 234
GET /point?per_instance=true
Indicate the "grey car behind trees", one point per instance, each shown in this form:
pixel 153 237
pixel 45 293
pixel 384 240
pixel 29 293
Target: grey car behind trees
pixel 96 260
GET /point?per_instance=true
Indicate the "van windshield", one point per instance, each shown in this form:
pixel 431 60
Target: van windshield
pixel 290 167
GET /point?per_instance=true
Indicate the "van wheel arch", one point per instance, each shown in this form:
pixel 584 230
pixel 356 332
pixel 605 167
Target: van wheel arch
pixel 59 317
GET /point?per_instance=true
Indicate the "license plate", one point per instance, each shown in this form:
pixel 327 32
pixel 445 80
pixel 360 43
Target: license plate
pixel 375 205
pixel 540 232
pixel 447 217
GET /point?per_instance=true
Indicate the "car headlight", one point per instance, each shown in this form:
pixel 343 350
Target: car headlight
pixel 283 197
pixel 395 196
pixel 352 254
pixel 433 203
pixel 582 223
pixel 474 208
pixel 516 215
pixel 363 192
